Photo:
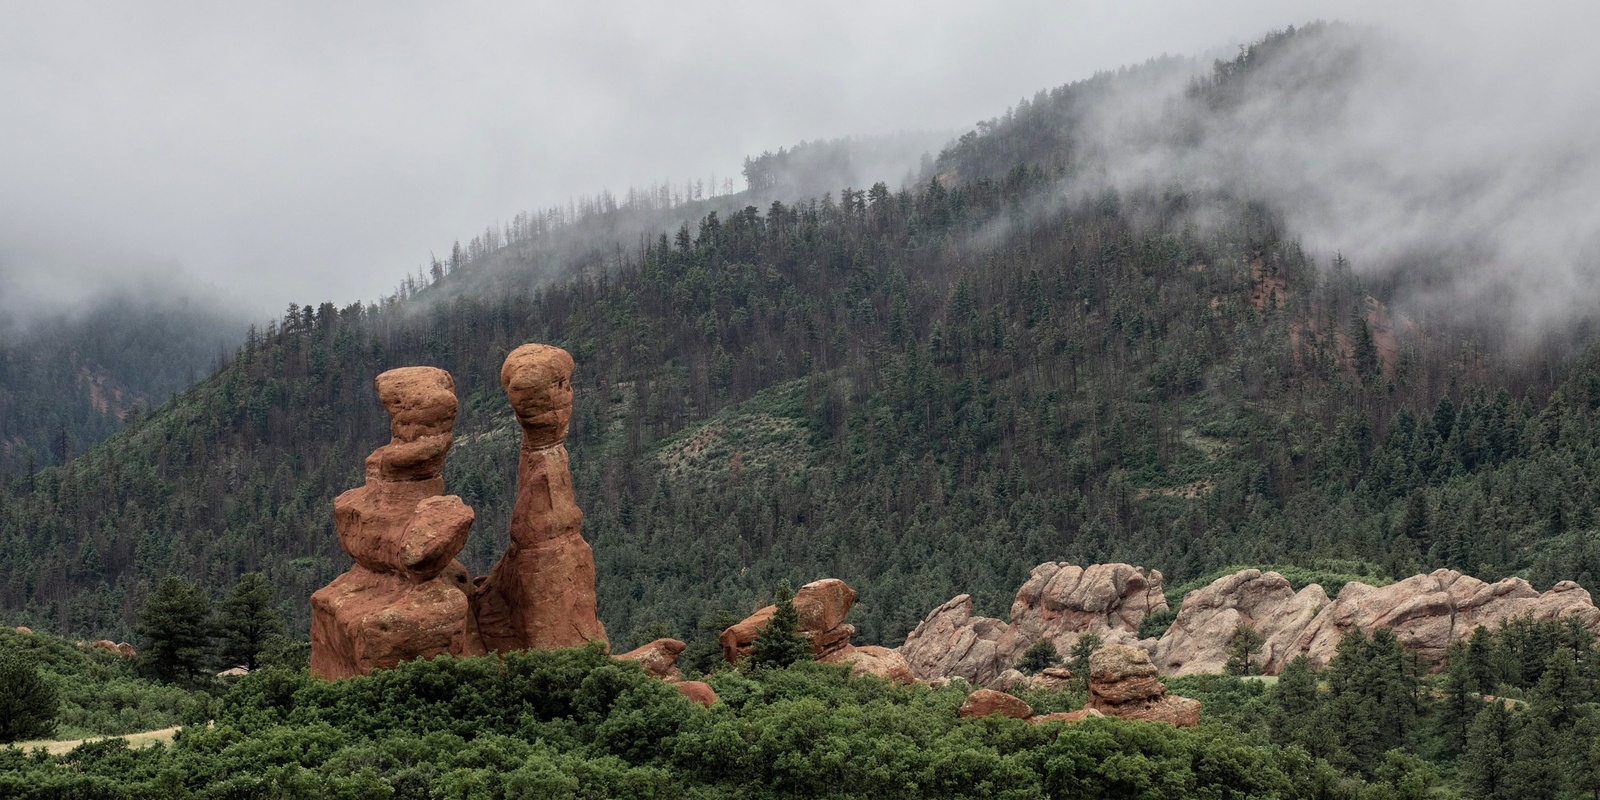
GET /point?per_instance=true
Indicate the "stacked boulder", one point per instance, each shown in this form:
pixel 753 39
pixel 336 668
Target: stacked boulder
pixel 1059 602
pixel 822 606
pixel 1123 684
pixel 541 594
pixel 406 597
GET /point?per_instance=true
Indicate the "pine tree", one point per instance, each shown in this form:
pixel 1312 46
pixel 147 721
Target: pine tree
pixel 780 644
pixel 249 619
pixel 1039 656
pixel 1081 650
pixel 1485 764
pixel 1243 646
pixel 28 702
pixel 1457 706
pixel 1294 702
pixel 176 626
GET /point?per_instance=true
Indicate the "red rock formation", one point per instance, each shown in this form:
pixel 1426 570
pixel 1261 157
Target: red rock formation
pixel 1122 683
pixel 873 660
pixel 541 593
pixel 405 597
pixel 698 692
pixel 1059 602
pixel 822 606
pixel 658 658
pixel 1197 642
pixel 24 629
pixel 1426 613
pixel 951 642
pixel 983 702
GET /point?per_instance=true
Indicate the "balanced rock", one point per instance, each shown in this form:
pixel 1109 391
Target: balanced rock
pixel 658 658
pixel 983 702
pixel 1198 640
pixel 821 605
pixel 1123 684
pixel 1059 602
pixel 405 597
pixel 541 593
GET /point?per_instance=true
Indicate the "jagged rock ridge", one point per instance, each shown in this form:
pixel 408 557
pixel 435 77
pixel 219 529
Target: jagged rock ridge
pixel 1060 602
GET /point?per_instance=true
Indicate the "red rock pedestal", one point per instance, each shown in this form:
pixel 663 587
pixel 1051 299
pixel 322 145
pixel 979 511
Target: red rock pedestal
pixel 541 593
pixel 405 598
pixel 1122 683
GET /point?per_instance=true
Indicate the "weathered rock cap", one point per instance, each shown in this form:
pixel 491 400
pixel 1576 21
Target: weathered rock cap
pixel 537 379
pixel 1122 674
pixel 421 402
pixel 1122 683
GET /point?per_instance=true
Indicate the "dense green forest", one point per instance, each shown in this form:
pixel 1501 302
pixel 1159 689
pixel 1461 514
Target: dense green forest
pixel 1514 716
pixel 923 392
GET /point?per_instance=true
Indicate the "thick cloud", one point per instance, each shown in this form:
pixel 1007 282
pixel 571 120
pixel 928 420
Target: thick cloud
pixel 312 151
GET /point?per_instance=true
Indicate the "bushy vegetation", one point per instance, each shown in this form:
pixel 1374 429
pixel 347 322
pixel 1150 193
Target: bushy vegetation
pixel 577 724
pixel 100 693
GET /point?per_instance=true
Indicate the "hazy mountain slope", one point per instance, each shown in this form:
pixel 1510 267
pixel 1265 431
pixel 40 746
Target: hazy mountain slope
pixel 68 380
pixel 924 393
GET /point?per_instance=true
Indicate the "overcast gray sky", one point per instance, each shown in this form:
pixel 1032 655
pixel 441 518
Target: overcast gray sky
pixel 314 151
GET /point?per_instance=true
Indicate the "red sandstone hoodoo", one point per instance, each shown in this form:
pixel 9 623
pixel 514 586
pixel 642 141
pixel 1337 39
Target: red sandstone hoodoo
pixel 407 597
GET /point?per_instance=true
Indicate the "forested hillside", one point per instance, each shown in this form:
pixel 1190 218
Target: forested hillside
pixel 67 380
pixel 923 392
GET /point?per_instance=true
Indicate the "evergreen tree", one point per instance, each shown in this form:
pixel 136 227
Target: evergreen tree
pixel 1294 703
pixel 1457 705
pixel 249 619
pixel 1081 651
pixel 1485 765
pixel 28 702
pixel 1243 646
pixel 1039 656
pixel 176 626
pixel 1561 693
pixel 780 644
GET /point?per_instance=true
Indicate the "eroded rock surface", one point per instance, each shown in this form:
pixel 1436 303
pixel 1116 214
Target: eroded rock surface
pixel 541 593
pixel 1426 612
pixel 983 702
pixel 1197 642
pixel 822 606
pixel 405 597
pixel 873 660
pixel 1429 612
pixel 1058 602
pixel 1122 683
pixel 658 658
